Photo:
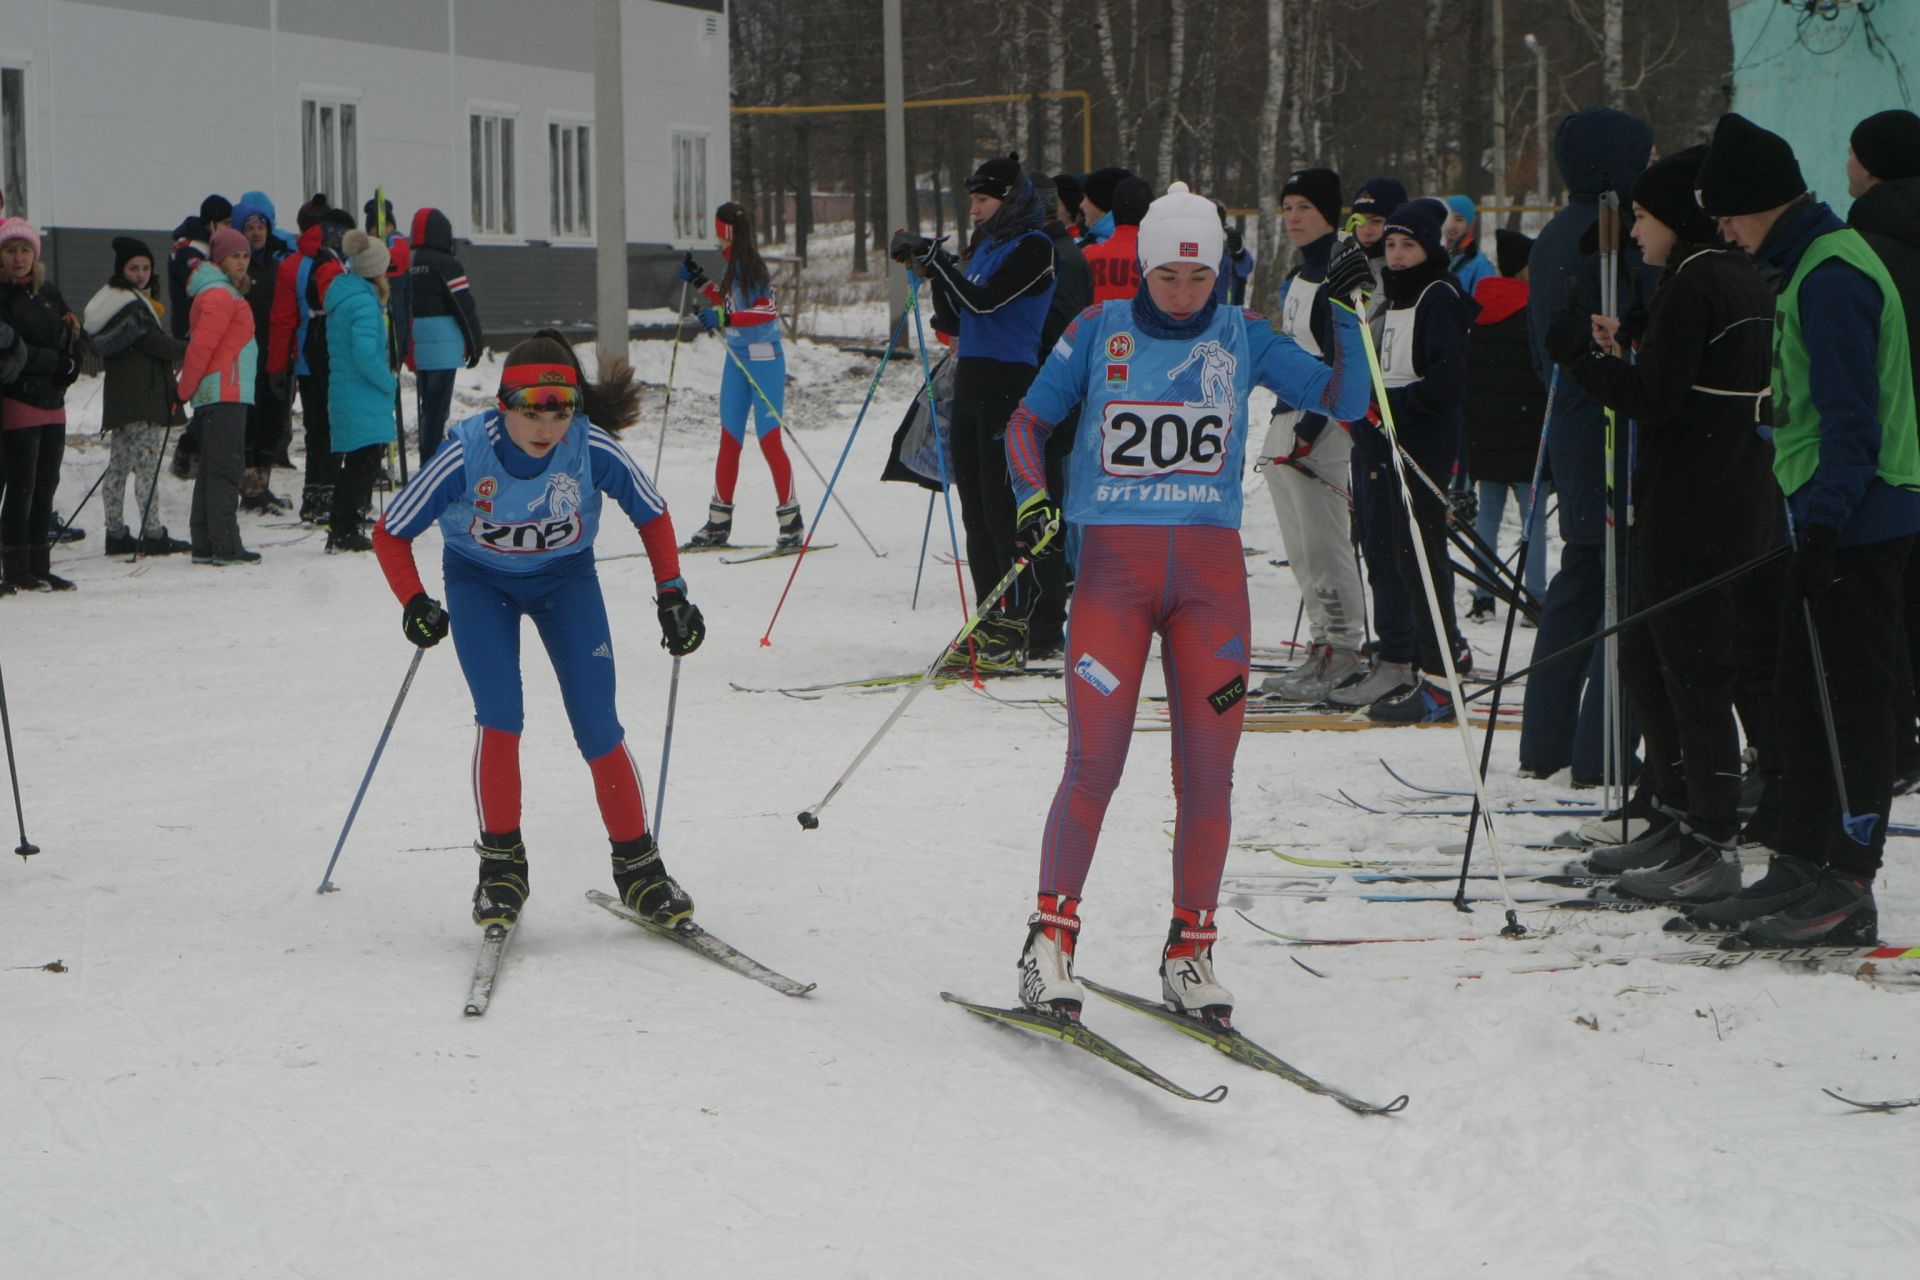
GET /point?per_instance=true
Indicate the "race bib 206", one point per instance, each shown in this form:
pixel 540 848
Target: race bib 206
pixel 1152 438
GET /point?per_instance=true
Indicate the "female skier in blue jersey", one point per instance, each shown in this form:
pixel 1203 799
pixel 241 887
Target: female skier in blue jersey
pixel 1154 487
pixel 517 491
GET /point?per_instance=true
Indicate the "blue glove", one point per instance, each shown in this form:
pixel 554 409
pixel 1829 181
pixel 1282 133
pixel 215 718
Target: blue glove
pixel 709 319
pixel 690 271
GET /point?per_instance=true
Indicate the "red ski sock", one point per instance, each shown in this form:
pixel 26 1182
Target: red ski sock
pixel 616 785
pixel 775 451
pixel 726 469
pixel 496 779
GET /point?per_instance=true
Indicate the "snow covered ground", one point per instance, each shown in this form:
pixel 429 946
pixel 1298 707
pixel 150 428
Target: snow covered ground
pixel 234 1077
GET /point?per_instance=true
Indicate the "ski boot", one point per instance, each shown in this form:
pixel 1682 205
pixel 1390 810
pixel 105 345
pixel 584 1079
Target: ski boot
pixel 645 887
pixel 1698 871
pixel 1838 912
pixel 503 878
pixel 717 529
pixel 1047 984
pixel 1386 680
pixel 1789 881
pixel 1661 841
pixel 348 540
pixel 1425 703
pixel 1187 984
pixel 792 529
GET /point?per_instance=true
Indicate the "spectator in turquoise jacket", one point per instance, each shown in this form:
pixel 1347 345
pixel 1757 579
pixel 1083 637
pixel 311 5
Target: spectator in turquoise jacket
pixel 360 383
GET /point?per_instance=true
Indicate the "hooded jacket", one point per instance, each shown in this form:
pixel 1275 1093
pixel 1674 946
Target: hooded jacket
pixel 264 269
pixel 360 383
pixel 1703 483
pixel 222 356
pixel 37 318
pixel 446 324
pixel 124 328
pixel 189 251
pixel 1504 395
pixel 996 300
pixel 1597 149
pixel 1889 217
pixel 1115 264
pixel 283 334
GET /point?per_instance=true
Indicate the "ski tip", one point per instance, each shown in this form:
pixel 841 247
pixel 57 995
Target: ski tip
pixel 1216 1094
pixel 810 823
pixel 476 1011
pixel 799 991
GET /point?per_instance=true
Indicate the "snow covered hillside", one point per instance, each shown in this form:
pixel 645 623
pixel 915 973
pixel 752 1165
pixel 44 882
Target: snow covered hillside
pixel 235 1077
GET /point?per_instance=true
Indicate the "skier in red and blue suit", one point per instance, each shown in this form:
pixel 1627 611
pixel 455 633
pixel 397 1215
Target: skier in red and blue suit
pixel 516 491
pixel 1154 493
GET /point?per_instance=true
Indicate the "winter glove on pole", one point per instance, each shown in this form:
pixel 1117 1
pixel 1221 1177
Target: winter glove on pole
pixel 1569 334
pixel 1236 240
pixel 424 622
pixel 681 626
pixel 1813 571
pixel 907 248
pixel 1035 525
pixel 1347 271
pixel 709 319
pixel 691 272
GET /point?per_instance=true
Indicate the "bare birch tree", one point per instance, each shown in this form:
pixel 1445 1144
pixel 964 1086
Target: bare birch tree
pixel 1170 93
pixel 1267 162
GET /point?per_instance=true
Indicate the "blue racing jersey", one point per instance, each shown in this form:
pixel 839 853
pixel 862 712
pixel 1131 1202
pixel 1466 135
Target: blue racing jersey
pixel 1163 427
pixel 508 511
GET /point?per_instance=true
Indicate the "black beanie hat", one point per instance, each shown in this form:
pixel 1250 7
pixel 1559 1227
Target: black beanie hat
pixel 1379 197
pixel 310 213
pixel 1321 187
pixel 125 250
pixel 216 209
pixel 371 213
pixel 1887 144
pixel 1666 190
pixel 1511 250
pixel 1747 170
pixel 1067 188
pixel 996 177
pixel 1131 198
pixel 1420 221
pixel 1098 186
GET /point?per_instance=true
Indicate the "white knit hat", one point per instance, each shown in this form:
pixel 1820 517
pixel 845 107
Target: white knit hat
pixel 1181 227
pixel 366 255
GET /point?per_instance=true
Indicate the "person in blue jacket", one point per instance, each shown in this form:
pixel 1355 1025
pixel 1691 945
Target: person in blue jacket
pixel 446 336
pixel 1462 235
pixel 1597 149
pixel 360 383
pixel 995 298
pixel 1162 381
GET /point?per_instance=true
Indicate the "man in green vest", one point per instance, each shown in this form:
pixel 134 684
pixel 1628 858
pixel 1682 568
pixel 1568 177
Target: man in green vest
pixel 1848 460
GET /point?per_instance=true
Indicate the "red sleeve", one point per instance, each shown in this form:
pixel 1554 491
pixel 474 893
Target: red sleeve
pixel 761 312
pixel 711 292
pixel 663 549
pixel 284 321
pixel 396 561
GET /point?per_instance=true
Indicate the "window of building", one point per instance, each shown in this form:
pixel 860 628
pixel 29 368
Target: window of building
pixel 690 216
pixel 490 173
pixel 569 179
pixel 13 140
pixel 330 149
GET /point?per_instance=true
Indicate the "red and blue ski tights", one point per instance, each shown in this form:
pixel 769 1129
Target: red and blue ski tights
pixel 1188 585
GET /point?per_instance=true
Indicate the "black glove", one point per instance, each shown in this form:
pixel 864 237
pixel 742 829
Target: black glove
pixel 1463 507
pixel 692 272
pixel 681 626
pixel 1347 270
pixel 1236 240
pixel 281 385
pixel 424 622
pixel 1037 529
pixel 1813 571
pixel 907 248
pixel 1569 334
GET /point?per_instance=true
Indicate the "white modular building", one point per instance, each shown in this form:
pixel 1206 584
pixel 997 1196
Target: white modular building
pixel 120 116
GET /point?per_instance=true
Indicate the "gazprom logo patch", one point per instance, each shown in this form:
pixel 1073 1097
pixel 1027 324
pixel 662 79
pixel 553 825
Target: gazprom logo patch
pixel 1090 669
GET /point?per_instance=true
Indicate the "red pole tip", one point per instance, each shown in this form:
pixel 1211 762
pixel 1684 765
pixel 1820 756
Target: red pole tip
pixel 766 641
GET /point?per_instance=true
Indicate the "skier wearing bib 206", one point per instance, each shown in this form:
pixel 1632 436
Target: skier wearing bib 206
pixel 516 491
pixel 1155 491
pixel 755 378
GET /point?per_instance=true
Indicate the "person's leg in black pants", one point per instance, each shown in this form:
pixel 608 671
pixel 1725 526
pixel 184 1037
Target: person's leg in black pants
pixel 965 429
pixel 1376 505
pixel 1430 526
pixel 1552 702
pixel 352 490
pixel 33 457
pixel 322 466
pixel 1046 625
pixel 434 394
pixel 1696 645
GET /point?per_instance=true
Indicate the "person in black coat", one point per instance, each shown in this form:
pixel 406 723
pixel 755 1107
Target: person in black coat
pixel 1705 501
pixel 1505 402
pixel 33 415
pixel 1072 294
pixel 189 251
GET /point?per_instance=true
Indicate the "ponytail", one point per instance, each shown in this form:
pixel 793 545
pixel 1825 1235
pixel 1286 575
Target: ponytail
pixel 744 265
pixel 612 403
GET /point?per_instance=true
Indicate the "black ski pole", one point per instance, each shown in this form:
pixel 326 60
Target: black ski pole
pixel 1633 620
pixel 925 533
pixel 153 489
pixel 326 879
pixel 1859 828
pixel 666 753
pixel 67 524
pixel 26 848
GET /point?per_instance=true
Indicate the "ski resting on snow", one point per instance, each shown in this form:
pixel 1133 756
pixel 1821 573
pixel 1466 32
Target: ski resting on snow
pixel 1887 1105
pixel 1071 1032
pixel 696 939
pixel 486 969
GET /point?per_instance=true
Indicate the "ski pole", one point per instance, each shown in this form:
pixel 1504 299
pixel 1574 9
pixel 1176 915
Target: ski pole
pixel 766 638
pixel 926 532
pixel 1634 619
pixel 326 878
pixel 26 848
pixel 939 441
pixel 1611 727
pixel 810 818
pixel 673 363
pixel 781 422
pixel 1506 636
pixel 1442 641
pixel 1859 828
pixel 666 753
pixel 153 489
pixel 68 522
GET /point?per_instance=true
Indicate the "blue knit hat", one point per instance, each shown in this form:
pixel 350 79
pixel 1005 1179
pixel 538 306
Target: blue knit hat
pixel 1420 220
pixel 1463 207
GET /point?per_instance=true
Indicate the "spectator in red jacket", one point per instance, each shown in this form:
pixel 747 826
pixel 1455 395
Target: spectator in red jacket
pixel 1115 262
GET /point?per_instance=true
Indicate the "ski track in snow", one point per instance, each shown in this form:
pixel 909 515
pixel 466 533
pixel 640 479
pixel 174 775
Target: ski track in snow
pixel 237 1077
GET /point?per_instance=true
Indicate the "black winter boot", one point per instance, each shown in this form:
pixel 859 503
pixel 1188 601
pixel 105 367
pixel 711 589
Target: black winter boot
pixel 503 878
pixel 644 884
pixel 16 571
pixel 1839 912
pixel 41 558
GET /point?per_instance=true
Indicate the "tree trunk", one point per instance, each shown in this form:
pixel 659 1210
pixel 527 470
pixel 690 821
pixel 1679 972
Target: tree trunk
pixel 1170 92
pixel 1430 101
pixel 1267 161
pixel 1613 71
pixel 1057 81
pixel 1123 122
pixel 802 193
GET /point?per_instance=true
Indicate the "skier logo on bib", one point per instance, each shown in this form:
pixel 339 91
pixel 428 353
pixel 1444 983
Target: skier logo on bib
pixel 562 497
pixel 1214 378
